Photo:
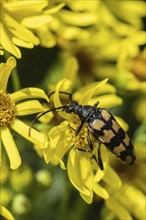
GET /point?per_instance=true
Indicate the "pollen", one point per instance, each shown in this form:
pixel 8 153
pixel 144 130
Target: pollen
pixel 7 110
pixel 78 141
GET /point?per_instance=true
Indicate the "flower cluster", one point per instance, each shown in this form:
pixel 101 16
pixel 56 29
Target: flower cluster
pixel 94 51
pixel 19 20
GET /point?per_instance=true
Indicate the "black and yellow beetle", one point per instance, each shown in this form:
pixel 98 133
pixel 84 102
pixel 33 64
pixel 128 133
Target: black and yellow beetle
pixel 104 128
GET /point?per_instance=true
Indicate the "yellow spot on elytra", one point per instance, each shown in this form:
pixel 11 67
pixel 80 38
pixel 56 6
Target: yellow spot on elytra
pixel 97 124
pixel 115 126
pixel 105 114
pixel 108 135
pixel 126 140
pixel 119 149
pixel 128 159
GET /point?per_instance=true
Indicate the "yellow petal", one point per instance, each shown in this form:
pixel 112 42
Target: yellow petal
pixel 122 123
pixel 28 93
pixel 59 143
pixel 54 9
pixel 46 118
pixel 57 147
pixel 61 86
pixel 20 31
pixel 108 88
pixel 25 8
pixel 87 95
pixel 36 21
pixel 135 198
pixel 88 199
pixel 112 178
pixel 7 44
pixel 5 71
pixel 107 101
pixel 78 168
pixel 19 43
pixel 74 33
pixel 118 210
pixel 1 52
pixel 29 107
pixel 47 38
pixel 48 154
pixel 78 18
pixel 99 190
pixel 11 149
pixel 35 136
pixel 62 165
pixel 71 62
pixel 6 213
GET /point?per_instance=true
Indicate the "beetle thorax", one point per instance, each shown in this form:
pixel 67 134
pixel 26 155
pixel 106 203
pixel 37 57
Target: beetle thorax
pixel 85 112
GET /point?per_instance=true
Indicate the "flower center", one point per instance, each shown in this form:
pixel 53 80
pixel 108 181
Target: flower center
pixel 7 110
pixel 78 141
pixel 138 67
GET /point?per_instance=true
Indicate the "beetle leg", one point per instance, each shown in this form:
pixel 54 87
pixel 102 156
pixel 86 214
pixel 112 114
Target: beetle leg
pixel 79 128
pixel 100 163
pixel 84 150
pixel 71 127
pixel 89 140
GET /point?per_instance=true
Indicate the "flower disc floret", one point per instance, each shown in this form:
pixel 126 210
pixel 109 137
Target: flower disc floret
pixel 77 141
pixel 7 109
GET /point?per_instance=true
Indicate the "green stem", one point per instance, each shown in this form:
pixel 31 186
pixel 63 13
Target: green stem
pixel 15 79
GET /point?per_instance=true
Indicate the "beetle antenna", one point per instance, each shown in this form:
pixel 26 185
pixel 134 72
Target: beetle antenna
pixel 66 93
pixel 50 110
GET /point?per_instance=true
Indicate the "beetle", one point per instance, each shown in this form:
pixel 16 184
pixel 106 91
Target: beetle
pixel 104 128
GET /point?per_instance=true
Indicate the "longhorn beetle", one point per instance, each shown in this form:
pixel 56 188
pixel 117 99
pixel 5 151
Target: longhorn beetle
pixel 104 128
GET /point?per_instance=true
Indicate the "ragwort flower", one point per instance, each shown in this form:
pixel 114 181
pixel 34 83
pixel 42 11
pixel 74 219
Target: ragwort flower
pixel 11 107
pixel 13 31
pixel 108 35
pixel 82 168
pixel 130 199
pixel 131 71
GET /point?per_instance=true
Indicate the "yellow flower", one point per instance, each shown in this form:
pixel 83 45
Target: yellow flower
pixel 82 168
pixel 129 11
pixel 13 32
pixel 46 31
pixel 131 73
pixel 11 107
pixel 129 200
pixel 97 37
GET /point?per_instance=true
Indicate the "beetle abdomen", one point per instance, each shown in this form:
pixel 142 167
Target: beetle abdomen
pixel 107 131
